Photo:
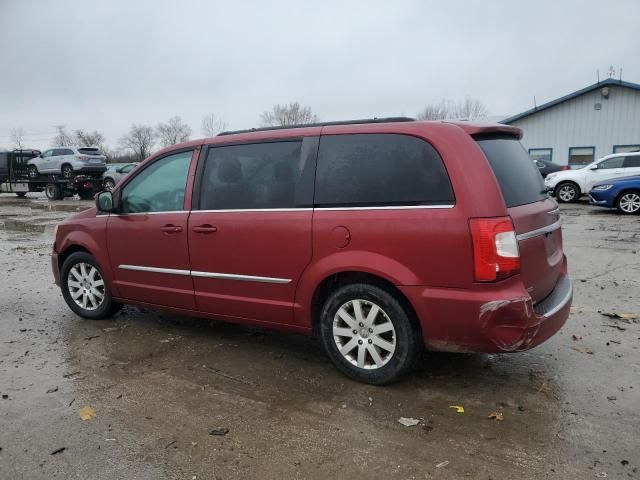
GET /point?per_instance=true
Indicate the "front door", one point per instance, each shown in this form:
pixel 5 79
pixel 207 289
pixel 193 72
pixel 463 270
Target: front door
pixel 608 169
pixel 250 228
pixel 147 239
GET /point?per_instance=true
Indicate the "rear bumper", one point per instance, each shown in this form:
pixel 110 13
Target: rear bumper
pixel 491 319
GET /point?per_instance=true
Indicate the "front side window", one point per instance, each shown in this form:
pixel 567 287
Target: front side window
pixel 581 156
pixel 127 168
pixel 252 176
pixel 541 154
pixel 159 187
pixel 610 163
pixel 47 153
pixel 380 170
pixel 626 148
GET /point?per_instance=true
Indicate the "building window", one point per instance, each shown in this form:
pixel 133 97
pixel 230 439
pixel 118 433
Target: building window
pixel 581 156
pixel 626 148
pixel 541 154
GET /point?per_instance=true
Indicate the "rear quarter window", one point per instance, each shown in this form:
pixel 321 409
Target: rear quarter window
pixel 518 177
pixel 362 170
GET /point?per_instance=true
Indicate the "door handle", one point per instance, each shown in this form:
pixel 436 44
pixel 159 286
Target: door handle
pixel 171 228
pixel 206 228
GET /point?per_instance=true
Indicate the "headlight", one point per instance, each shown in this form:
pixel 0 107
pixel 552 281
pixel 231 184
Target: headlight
pixel 602 187
pixel 550 176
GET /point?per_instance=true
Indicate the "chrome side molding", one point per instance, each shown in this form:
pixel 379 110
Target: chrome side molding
pixel 222 276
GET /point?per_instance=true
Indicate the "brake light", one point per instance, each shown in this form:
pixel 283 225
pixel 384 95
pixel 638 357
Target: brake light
pixel 495 249
pixel 565 167
pixel 82 158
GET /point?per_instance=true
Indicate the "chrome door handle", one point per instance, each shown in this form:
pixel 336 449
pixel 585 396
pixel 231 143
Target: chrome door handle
pixel 171 228
pixel 206 228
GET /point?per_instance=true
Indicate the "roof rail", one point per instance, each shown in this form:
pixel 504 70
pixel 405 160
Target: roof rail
pixel 323 124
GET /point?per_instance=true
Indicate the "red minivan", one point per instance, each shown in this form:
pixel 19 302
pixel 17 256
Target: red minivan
pixel 381 236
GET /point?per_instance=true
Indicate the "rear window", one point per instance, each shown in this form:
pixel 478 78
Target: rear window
pixel 380 170
pixel 90 151
pixel 517 175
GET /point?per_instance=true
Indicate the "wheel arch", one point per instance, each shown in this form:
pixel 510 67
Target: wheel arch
pixel 622 192
pixel 336 280
pixel 572 182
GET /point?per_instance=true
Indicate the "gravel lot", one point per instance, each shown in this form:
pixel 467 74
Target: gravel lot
pixel 157 385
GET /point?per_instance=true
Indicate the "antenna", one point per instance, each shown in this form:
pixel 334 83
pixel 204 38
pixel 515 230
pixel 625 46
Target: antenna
pixel 620 74
pixel 535 105
pixel 598 75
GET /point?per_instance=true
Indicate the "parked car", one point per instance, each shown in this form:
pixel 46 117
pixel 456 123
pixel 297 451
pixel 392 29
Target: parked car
pixel 570 185
pixel 380 237
pixel 545 167
pixel 622 193
pixel 116 172
pixel 68 161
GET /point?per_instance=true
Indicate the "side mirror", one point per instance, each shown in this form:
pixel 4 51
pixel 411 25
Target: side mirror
pixel 104 201
pixel 593 167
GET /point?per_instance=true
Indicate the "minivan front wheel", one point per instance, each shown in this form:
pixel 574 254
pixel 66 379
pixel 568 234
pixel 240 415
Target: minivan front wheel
pixel 368 334
pixel 567 192
pixel 84 287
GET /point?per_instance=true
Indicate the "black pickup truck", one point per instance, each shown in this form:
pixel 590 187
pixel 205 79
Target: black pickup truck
pixel 14 178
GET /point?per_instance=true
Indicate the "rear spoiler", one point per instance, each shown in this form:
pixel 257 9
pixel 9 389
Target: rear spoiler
pixel 489 130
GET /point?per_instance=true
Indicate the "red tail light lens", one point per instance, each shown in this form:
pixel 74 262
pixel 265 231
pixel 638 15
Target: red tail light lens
pixel 495 249
pixel 565 167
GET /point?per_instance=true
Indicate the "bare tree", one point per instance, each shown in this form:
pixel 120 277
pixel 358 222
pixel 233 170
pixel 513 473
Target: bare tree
pixel 285 115
pixel 89 139
pixel 468 109
pixel 174 131
pixel 471 109
pixel 139 140
pixel 17 137
pixel 436 111
pixel 212 125
pixel 62 138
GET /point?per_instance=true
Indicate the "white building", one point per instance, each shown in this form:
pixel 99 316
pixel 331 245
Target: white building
pixel 578 128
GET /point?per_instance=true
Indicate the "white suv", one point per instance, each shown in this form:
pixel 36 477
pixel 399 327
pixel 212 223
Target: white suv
pixel 68 161
pixel 570 185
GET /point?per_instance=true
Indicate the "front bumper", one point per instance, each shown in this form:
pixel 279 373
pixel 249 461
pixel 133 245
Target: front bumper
pixel 596 200
pixel 491 319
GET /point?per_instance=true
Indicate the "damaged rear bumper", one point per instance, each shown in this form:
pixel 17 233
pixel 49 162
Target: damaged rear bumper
pixel 490 318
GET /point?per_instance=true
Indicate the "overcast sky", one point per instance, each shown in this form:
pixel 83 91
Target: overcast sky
pixel 107 64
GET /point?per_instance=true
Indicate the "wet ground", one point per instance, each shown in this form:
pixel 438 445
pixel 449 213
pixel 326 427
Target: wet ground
pixel 157 384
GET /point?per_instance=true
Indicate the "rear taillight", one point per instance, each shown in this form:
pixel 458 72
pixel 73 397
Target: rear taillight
pixel 495 249
pixel 565 167
pixel 82 158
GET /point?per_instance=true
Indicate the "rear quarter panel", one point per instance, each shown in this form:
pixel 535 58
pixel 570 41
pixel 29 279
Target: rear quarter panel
pixel 420 246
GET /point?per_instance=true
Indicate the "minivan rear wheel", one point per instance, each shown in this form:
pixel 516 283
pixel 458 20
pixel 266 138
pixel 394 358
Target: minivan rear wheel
pixel 84 287
pixel 368 334
pixel 567 192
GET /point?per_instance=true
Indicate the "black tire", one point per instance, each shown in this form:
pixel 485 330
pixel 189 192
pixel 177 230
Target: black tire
pixel 408 338
pixel 21 194
pixel 66 170
pixel 628 202
pixel 32 171
pixel 53 191
pixel 109 183
pixel 567 192
pixel 107 308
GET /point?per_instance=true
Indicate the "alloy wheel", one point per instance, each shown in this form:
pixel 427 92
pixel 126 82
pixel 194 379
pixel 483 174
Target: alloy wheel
pixel 364 334
pixel 630 203
pixel 567 193
pixel 86 286
pixel 67 171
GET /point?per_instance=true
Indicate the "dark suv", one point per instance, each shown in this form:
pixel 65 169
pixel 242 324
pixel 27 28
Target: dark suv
pixel 381 237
